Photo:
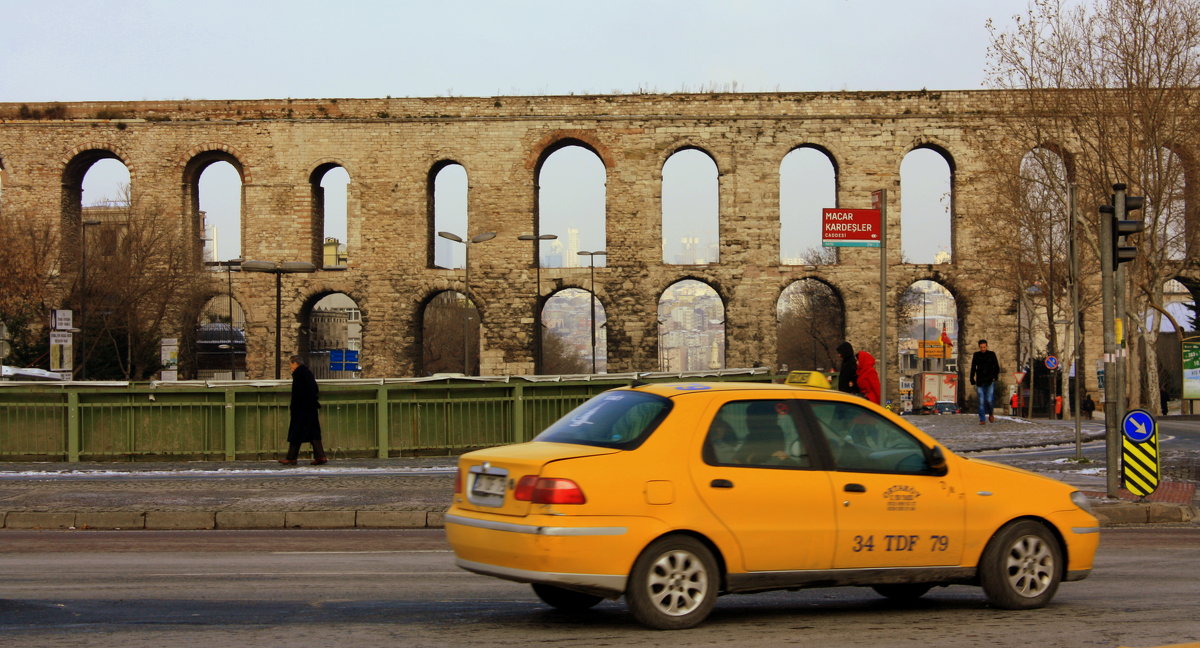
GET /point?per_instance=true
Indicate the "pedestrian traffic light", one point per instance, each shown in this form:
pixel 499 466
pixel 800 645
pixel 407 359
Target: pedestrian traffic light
pixel 1122 225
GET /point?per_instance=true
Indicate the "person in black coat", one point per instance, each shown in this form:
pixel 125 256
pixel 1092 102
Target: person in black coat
pixel 985 369
pixel 848 374
pixel 305 424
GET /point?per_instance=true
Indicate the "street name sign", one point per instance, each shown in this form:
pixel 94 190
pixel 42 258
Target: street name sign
pixel 850 227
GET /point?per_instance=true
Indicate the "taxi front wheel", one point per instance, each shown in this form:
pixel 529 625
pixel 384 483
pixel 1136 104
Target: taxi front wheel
pixel 673 584
pixel 565 599
pixel 1021 567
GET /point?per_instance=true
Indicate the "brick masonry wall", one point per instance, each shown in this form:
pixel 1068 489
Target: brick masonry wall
pixel 389 147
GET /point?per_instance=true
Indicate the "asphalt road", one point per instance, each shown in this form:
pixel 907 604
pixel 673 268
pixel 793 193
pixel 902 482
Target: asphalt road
pixel 369 588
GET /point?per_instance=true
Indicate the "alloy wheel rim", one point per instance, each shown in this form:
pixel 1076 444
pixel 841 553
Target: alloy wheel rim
pixel 678 583
pixel 1030 566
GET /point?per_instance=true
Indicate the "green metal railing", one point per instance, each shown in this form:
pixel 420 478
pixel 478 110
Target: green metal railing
pixel 249 420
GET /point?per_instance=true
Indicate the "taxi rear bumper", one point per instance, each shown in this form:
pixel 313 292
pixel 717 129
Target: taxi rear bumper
pixel 591 554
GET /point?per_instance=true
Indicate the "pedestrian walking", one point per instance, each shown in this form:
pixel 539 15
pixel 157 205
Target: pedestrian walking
pixel 1087 406
pixel 985 369
pixel 868 379
pixel 305 424
pixel 848 374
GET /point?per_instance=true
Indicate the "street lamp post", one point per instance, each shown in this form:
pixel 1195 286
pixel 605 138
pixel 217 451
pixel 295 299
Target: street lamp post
pixel 467 243
pixel 228 265
pixel 537 254
pixel 592 311
pixel 278 269
pixel 83 295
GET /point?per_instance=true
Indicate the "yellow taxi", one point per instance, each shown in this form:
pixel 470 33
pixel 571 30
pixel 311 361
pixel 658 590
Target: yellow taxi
pixel 672 494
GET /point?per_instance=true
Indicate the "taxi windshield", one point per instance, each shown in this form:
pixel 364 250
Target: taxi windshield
pixel 615 419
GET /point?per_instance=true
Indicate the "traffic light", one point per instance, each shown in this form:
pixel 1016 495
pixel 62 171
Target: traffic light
pixel 1122 225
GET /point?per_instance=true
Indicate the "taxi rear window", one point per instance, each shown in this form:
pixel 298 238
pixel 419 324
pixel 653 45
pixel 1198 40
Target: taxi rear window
pixel 615 419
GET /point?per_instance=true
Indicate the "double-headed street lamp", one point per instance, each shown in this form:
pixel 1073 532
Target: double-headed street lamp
pixel 467 243
pixel 278 269
pixel 592 311
pixel 537 254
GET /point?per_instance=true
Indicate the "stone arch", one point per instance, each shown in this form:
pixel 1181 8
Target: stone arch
pixel 810 316
pixel 800 203
pixel 215 341
pixel 553 142
pixel 1191 196
pixel 439 251
pixel 567 331
pixel 927 205
pixel 71 219
pixel 319 239
pixel 450 333
pixel 688 207
pixel 691 315
pixel 584 224
pixel 195 166
pixel 332 323
pixel 925 307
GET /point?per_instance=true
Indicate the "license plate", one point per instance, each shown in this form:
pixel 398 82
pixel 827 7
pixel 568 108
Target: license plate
pixel 488 485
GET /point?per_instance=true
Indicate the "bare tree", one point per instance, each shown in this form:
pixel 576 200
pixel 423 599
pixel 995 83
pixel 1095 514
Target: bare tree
pixel 141 278
pixel 559 357
pixel 28 286
pixel 449 319
pixel 811 325
pixel 1113 85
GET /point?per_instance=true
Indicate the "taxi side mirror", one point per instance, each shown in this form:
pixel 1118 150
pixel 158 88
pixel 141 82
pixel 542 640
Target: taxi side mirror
pixel 937 461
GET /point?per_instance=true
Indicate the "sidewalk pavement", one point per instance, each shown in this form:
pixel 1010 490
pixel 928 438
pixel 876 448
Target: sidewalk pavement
pixel 413 492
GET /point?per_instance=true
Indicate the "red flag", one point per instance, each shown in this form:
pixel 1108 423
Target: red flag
pixel 946 338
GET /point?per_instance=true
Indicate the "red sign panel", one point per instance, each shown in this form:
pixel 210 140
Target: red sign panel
pixel 850 227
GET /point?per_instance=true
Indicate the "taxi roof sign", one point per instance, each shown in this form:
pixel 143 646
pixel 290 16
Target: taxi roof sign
pixel 808 379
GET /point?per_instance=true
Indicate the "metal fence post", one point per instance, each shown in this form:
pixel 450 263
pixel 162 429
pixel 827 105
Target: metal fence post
pixel 518 416
pixel 382 423
pixel 73 427
pixel 230 425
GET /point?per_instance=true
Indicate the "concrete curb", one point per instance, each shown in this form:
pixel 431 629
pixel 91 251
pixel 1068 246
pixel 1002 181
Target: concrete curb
pixel 202 520
pixel 1116 514
pixel 1110 514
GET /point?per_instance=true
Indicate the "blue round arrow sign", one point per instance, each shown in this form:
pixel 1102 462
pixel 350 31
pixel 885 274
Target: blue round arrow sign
pixel 1138 425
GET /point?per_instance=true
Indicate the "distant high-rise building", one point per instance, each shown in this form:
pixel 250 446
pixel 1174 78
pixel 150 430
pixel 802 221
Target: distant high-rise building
pixel 572 260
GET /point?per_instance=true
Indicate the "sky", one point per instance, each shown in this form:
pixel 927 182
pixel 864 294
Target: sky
pixel 74 50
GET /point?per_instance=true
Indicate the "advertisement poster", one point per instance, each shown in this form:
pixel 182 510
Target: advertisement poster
pixel 62 357
pixel 1191 368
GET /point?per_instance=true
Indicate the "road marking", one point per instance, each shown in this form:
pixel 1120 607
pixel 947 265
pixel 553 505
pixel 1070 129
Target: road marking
pixel 300 574
pixel 398 551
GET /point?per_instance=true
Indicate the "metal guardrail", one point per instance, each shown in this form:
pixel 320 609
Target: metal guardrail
pixel 233 420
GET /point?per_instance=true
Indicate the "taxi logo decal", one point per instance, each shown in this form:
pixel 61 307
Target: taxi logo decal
pixel 901 498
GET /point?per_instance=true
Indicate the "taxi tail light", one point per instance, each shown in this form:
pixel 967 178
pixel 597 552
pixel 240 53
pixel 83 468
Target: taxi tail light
pixel 458 482
pixel 548 490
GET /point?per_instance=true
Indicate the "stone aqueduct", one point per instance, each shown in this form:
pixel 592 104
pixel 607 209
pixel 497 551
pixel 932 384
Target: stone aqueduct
pixel 392 147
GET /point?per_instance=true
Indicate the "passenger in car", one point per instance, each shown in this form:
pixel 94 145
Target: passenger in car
pixel 721 443
pixel 765 443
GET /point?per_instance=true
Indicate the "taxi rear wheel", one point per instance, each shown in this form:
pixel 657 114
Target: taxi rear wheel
pixel 565 599
pixel 673 584
pixel 1021 567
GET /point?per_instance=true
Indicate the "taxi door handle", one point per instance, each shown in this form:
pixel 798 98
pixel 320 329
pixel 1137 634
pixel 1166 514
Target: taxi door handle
pixel 855 488
pixel 721 483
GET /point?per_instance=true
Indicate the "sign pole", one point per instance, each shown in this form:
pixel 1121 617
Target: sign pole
pixel 880 197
